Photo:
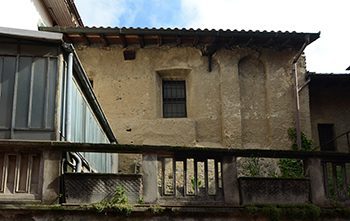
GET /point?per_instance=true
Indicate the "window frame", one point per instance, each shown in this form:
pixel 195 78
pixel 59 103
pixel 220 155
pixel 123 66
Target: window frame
pixel 174 100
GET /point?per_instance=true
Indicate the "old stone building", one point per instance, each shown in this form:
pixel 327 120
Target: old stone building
pixel 182 87
pixel 196 87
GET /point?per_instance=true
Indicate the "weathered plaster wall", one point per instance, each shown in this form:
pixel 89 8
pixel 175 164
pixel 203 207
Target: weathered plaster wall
pixel 130 94
pixel 330 101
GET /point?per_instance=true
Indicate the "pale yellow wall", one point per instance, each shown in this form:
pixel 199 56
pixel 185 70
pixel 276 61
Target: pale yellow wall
pixel 130 94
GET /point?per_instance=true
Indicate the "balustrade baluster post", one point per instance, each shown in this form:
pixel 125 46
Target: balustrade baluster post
pixel 315 173
pixel 149 176
pixel 51 170
pixel 230 180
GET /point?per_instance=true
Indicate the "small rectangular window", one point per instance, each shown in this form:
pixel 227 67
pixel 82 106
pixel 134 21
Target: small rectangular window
pixel 174 98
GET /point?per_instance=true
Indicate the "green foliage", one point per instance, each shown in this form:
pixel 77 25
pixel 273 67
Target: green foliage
pixel 273 212
pixel 252 210
pixel 291 168
pixel 336 212
pixel 118 203
pixel 252 166
pixel 277 212
pixel 199 183
pixel 141 200
pixel 306 144
pixel 156 209
pixel 119 196
pixel 336 183
pixel 303 212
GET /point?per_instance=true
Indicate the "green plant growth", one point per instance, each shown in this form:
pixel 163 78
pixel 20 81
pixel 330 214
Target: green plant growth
pixel 156 209
pixel 336 185
pixel 252 166
pixel 199 184
pixel 292 168
pixel 141 200
pixel 278 212
pixel 118 203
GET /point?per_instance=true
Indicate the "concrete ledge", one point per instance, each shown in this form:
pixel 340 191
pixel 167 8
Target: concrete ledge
pixel 93 187
pixel 156 212
pixel 260 190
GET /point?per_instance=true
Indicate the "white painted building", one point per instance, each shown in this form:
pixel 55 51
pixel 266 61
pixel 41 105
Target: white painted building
pixel 30 14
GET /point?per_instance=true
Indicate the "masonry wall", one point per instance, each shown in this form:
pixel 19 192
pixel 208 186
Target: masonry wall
pixel 246 101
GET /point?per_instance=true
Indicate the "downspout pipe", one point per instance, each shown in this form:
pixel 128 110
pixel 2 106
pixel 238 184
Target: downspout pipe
pixel 78 160
pixel 296 90
pixel 69 98
pixel 90 96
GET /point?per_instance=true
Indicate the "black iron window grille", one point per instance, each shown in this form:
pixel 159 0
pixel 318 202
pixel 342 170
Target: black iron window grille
pixel 174 98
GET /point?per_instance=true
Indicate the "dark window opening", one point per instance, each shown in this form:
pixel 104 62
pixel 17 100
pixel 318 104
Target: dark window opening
pixel 326 137
pixel 174 98
pixel 129 55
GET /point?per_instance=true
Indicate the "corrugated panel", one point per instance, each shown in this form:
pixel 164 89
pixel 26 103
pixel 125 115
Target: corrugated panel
pixel 37 109
pixel 86 128
pixel 30 83
pixel 23 91
pixel 7 80
pixel 50 101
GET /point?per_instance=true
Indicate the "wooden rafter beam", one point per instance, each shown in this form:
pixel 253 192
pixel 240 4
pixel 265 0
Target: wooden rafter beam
pixel 160 40
pixel 178 40
pixel 195 41
pixel 104 40
pixel 141 41
pixel 85 38
pixel 268 42
pixel 67 38
pixel 232 42
pixel 284 43
pixel 250 40
pixel 123 41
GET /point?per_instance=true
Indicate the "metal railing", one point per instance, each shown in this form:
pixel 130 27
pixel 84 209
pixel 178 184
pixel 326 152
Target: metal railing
pixel 338 138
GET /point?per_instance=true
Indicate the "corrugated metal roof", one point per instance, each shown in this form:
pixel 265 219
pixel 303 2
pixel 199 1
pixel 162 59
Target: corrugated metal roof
pixel 329 79
pixel 150 36
pixel 314 74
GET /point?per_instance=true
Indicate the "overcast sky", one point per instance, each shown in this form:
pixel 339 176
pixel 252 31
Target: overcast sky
pixel 328 54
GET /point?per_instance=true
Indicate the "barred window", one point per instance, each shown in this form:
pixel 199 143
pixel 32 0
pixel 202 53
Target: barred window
pixel 174 98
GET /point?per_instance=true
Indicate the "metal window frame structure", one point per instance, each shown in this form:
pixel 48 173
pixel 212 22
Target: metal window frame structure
pixel 174 99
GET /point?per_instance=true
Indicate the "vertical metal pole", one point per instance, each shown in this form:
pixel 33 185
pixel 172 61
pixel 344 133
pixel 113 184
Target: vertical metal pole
pixel 47 84
pixel 29 120
pixel 14 99
pixel 297 104
pixel 69 98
